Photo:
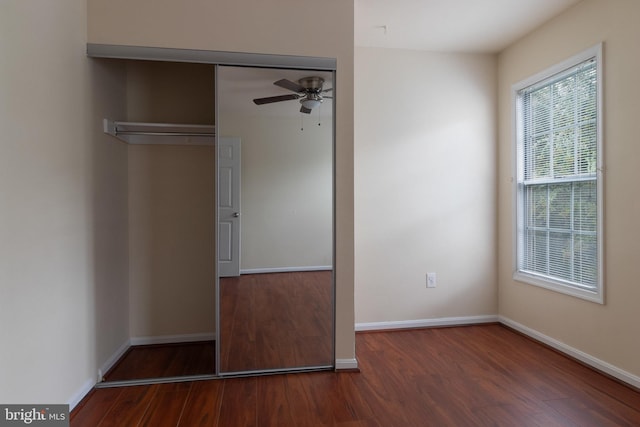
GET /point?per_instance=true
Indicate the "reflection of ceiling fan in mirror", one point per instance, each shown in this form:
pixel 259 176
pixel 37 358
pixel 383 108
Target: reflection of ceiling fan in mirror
pixel 308 91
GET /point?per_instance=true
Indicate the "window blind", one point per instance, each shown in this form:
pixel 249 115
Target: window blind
pixel 558 180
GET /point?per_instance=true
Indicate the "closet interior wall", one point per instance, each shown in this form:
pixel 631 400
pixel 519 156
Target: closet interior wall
pixel 171 206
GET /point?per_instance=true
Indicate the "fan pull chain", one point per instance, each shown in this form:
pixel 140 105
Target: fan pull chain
pixel 302 122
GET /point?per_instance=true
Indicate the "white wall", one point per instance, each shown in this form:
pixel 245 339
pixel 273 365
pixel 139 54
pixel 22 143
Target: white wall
pixel 607 332
pixel 425 184
pixel 63 204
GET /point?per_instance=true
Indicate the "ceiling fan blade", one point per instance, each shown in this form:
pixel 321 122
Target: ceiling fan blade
pixel 305 110
pixel 288 84
pixel 270 99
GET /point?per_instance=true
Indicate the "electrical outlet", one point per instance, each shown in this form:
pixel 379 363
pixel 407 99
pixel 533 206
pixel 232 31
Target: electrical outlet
pixel 431 280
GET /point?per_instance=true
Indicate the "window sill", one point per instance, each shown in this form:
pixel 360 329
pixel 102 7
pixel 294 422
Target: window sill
pixel 531 279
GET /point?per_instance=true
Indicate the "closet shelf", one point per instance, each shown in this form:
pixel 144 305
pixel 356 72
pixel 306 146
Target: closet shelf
pixel 160 133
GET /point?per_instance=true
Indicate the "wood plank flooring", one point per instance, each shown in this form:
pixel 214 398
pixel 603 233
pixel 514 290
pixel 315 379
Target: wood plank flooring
pixel 276 320
pixel 165 360
pixel 268 321
pixel 483 375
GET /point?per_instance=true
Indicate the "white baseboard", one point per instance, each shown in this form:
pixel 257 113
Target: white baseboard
pixel 285 269
pixel 426 323
pixel 170 339
pixel 163 339
pixel 346 364
pixel 585 358
pixel 80 394
pixel 90 383
pixel 113 359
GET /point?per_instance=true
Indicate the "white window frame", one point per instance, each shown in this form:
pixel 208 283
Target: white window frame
pixel 596 295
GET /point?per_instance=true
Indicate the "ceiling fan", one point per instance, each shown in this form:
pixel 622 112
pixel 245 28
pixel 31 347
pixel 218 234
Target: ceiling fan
pixel 308 91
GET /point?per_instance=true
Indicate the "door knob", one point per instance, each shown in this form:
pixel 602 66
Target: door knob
pixel 236 214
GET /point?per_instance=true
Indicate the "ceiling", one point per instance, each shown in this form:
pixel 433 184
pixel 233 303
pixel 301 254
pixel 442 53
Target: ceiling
pixel 482 26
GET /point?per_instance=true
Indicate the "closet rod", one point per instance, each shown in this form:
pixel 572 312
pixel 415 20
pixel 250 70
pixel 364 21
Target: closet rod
pixel 166 133
pixel 124 132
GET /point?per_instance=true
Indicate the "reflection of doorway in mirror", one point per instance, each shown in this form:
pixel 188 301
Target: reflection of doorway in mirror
pixel 278 314
pixel 229 216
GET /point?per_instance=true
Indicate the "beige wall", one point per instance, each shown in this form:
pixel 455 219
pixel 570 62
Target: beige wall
pixel 171 240
pixel 425 184
pixel 169 92
pixel 608 332
pixel 171 204
pixel 63 228
pixel 280 27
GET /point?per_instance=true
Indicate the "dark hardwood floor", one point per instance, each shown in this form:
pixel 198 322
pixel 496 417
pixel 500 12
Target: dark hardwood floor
pixel 276 320
pixel 268 321
pixel 165 360
pixel 483 375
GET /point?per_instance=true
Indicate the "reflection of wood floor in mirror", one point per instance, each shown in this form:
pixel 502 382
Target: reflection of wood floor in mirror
pixel 276 320
pixel 165 360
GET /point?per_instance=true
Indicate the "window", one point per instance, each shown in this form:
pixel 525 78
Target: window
pixel 559 186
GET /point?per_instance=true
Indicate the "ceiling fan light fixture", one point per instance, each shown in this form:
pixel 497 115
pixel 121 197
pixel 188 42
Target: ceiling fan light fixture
pixel 310 103
pixel 308 91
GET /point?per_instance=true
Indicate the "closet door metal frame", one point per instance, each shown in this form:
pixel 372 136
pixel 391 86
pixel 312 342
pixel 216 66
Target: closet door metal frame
pixel 218 58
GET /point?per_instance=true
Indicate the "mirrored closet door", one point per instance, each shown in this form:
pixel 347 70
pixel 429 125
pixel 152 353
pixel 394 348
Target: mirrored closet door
pixel 275 219
pixel 230 189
